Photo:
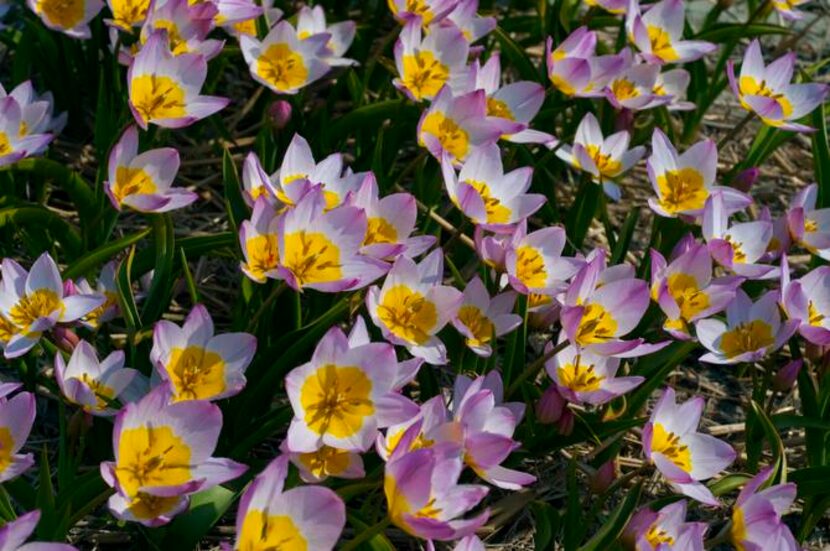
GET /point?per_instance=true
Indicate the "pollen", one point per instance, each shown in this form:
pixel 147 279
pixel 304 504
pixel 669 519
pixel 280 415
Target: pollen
pixel 262 255
pixel 312 258
pixel 691 300
pixel 497 213
pixel 670 445
pixel 196 373
pixel 682 190
pixel 449 134
pixel 579 377
pixel 408 314
pixel 597 326
pixel 661 45
pixel 282 68
pixel 478 323
pixel 131 181
pixel 263 531
pixel 530 267
pixel 62 13
pixel 336 400
pixel 39 304
pixel 423 74
pixel 379 230
pixel 157 97
pixel 747 337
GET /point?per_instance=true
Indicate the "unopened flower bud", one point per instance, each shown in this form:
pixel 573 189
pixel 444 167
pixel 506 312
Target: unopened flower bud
pixel 604 476
pixel 279 112
pixel 786 376
pixel 746 179
pixel 624 121
pixel 65 338
pixel 550 406
pixel 566 422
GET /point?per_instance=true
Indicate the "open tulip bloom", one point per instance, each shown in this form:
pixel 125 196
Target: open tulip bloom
pixel 752 330
pixel 605 159
pixel 583 377
pixel 162 455
pixel 458 124
pixel 685 290
pixel 15 532
pixel 807 300
pixel 317 466
pixel 658 33
pixel 574 69
pixel 196 363
pixel 320 249
pixel 127 14
pixel 165 89
pixel 17 415
pixel 430 426
pixel 482 319
pixel 271 517
pixel 465 16
pixel 412 306
pixel 94 385
pixel 809 226
pixel 256 182
pixel 426 63
pixel 258 241
pixel 535 264
pixel 104 285
pixel 144 181
pixel 36 112
pixel 33 302
pixel 485 194
pixel 312 22
pixel 343 395
pixel 683 182
pixel 633 87
pixel 282 61
pixel 425 11
pixel 424 498
pixel 767 91
pixel 681 454
pixel 15 145
pixel 665 529
pixel 788 9
pixel 239 16
pixel 70 18
pixel 756 516
pixel 187 26
pixel 672 85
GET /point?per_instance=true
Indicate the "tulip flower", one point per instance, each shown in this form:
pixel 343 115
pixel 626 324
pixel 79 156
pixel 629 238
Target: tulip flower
pixel 36 112
pixel 426 63
pixel 412 306
pixel 788 9
pixel 466 18
pixel 685 290
pixel 104 285
pixel 515 102
pixel 616 7
pixel 633 87
pixel 485 194
pixel 320 249
pixel 312 22
pixel 258 240
pixel 404 372
pixel 127 14
pixel 430 426
pixel 738 247
pixel 756 516
pixel 659 33
pixel 535 264
pixel 583 377
pixel 271 517
pixel 766 90
pixel 390 223
pixel 17 415
pixel 670 90
pixel 807 301
pixel 681 454
pixel 482 319
pixel 165 89
pixel 144 181
pixel 458 124
pixel 343 395
pixel 781 240
pixel 574 69
pixel 187 27
pixel 605 159
pixel 752 330
pixel 15 532
pixel 255 181
pixel 162 455
pixel 424 498
pixel 602 305
pixel 809 226
pixel 283 62
pixel 239 17
pixel 317 466
pixel 71 18
pixel 94 385
pixel 33 302
pixel 427 11
pixel 196 363
pixel 492 249
pixel 15 145
pixel 684 182
pixel 665 529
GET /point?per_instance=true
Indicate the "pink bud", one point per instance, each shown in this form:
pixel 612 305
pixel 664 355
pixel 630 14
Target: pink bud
pixel 566 422
pixel 624 121
pixel 65 338
pixel 550 406
pixel 784 379
pixel 746 179
pixel 604 476
pixel 280 113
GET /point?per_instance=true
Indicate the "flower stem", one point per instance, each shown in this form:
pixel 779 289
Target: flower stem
pixel 533 369
pixel 366 534
pixel 735 130
pixel 278 290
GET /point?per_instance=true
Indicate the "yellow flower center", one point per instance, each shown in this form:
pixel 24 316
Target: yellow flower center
pixel 421 441
pixel 151 456
pixel 671 447
pixel 104 394
pixel 336 400
pixel 247 27
pixel 62 13
pixel 751 87
pixel 656 535
pixel 196 373
pixel 578 376
pixel 312 257
pixel 128 13
pixel 478 323
pixel 282 67
pixel 326 461
pixel 449 134
pixel 380 231
pixel 408 314
pixel 500 109
pixel 738 254
pixel 147 506
pixel 815 317
pixel 597 326
pixel 691 300
pixel 606 165
pixel 810 225
pixel 530 267
pixel 6 445
pixel 131 181
pixel 264 532
pixel 423 75
pixel 7 330
pixel 738 531
pixel 415 7
pixel 262 254
pixel 624 89
pixel 562 84
pixel 747 337
pixel 94 317
pixel 177 44
pixel 661 44
pixel 157 97
pixel 497 213
pixel 682 190
pixel 5 144
pixel 39 304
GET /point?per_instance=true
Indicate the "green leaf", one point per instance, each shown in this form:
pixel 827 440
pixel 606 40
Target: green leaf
pixel 546 524
pixel 188 278
pixel 369 116
pixel 160 288
pixel 821 155
pixel 811 481
pixel 517 57
pixel 126 299
pixel 39 217
pixel 655 368
pixel 206 508
pixel 614 525
pixel 574 529
pixel 724 32
pixel 234 203
pixel 774 440
pixel 728 483
pixel 78 190
pixel 102 254
pixel 46 499
pixel 378 542
pixel 581 214
pixel 624 238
